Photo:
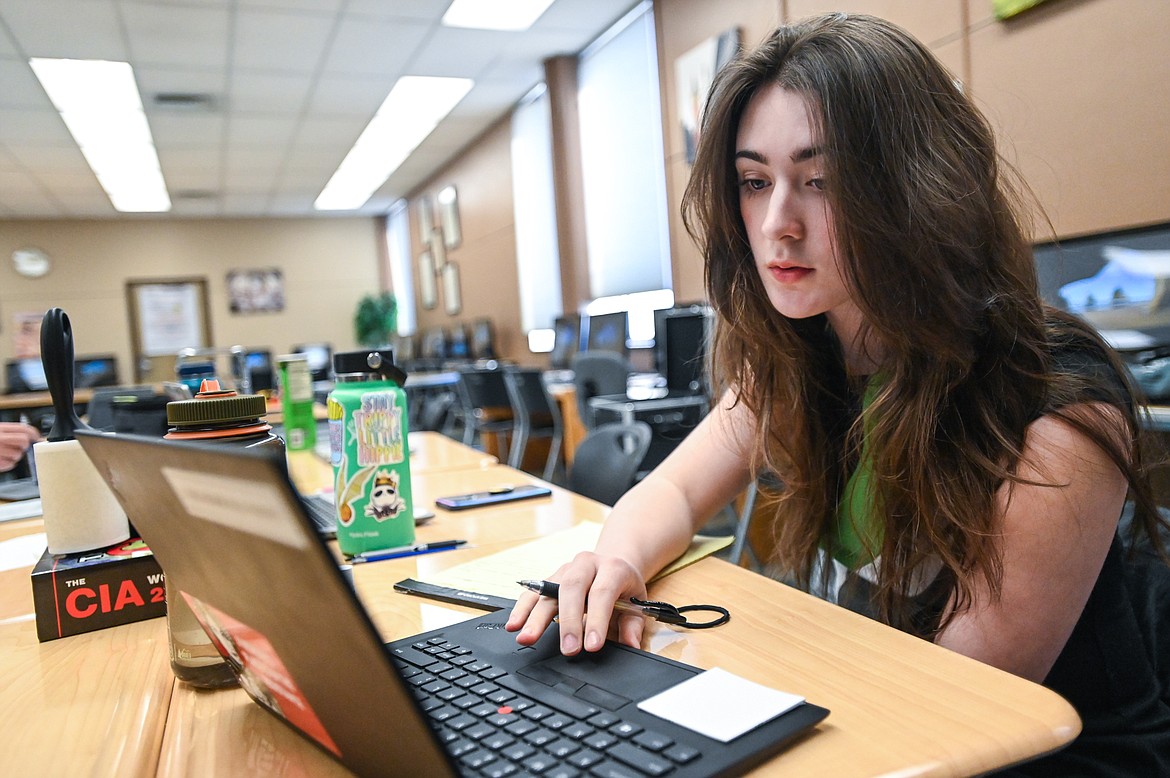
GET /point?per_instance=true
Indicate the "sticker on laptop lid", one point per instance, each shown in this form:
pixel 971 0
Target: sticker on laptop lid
pixel 719 704
pixel 261 671
pixel 238 503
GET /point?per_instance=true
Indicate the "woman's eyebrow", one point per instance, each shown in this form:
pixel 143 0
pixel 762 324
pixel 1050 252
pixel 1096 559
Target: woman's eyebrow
pixel 801 155
pixel 806 154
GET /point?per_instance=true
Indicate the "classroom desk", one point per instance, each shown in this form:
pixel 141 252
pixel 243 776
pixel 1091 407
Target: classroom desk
pixel 93 704
pixel 26 401
pixel 899 705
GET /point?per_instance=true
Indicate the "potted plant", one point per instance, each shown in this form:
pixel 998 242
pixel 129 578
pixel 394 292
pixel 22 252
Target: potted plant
pixel 376 319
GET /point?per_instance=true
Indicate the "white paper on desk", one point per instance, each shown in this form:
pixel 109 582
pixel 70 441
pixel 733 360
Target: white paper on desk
pixel 497 574
pixel 23 551
pixel 719 704
pixel 21 509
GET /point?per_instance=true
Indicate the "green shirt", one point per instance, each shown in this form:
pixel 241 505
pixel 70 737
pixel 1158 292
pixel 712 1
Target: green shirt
pixel 857 535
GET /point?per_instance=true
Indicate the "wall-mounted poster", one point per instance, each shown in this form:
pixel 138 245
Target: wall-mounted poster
pixel 1008 8
pixel 256 291
pixel 26 335
pixel 693 73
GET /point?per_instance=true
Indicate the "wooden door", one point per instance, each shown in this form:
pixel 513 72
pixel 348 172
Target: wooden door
pixel 166 316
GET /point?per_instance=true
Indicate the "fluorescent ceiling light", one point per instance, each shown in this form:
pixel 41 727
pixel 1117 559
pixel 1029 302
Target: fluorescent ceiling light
pixel 495 14
pixel 408 115
pixel 99 102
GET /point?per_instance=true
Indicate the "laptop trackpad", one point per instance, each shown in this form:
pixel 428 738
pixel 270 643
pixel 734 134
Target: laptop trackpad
pixel 609 678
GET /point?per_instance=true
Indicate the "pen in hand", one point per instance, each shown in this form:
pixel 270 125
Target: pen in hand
pixel 654 610
pixel 401 551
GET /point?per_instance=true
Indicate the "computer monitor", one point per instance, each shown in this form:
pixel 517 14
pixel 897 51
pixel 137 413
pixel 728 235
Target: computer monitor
pixel 483 339
pixel 1119 282
pixel 25 375
pixel 258 366
pixel 606 332
pixel 95 370
pixel 566 341
pixel 320 359
pixel 404 348
pixel 681 345
pixel 434 344
pixel 458 347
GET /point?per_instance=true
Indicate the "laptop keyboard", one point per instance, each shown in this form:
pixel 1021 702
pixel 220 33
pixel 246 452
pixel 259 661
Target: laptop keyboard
pixel 322 512
pixel 496 725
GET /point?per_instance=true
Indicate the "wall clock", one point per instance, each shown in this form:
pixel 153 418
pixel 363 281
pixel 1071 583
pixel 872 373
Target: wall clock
pixel 30 262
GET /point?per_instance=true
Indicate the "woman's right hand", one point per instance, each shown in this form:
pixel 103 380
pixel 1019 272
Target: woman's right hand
pixel 589 586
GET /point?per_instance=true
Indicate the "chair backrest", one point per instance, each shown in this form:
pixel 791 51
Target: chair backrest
pixel 481 388
pixel 607 461
pixel 531 402
pixel 597 373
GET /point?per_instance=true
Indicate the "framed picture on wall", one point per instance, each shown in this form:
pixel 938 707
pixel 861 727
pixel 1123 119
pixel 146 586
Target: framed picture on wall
pixel 256 291
pixel 693 73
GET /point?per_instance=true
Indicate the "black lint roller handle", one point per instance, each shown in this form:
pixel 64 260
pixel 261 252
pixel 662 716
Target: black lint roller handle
pixel 57 357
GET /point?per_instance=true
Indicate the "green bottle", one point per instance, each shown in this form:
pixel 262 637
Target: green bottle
pixel 368 444
pixel 296 402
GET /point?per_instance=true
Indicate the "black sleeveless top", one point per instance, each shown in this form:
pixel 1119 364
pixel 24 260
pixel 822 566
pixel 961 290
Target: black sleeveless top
pixel 1115 667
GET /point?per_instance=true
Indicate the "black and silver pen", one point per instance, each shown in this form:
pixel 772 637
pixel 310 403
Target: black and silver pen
pixel 658 611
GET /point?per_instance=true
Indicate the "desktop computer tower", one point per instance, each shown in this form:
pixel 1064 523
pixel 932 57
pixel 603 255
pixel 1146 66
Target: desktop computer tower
pixel 670 418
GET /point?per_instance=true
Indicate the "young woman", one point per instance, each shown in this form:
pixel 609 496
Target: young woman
pixel 949 455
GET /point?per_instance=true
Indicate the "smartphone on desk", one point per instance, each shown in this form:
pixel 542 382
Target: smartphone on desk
pixel 461 502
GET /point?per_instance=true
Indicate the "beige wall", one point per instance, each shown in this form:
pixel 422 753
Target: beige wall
pixel 328 264
pixel 482 175
pixel 1079 91
pixel 682 25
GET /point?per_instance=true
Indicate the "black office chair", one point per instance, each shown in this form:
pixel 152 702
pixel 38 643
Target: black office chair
pixel 536 415
pixel 486 408
pixel 606 463
pixel 597 373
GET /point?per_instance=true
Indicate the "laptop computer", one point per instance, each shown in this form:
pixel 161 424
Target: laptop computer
pixel 461 700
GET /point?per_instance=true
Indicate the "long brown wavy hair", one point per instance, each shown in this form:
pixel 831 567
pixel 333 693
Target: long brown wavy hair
pixel 935 253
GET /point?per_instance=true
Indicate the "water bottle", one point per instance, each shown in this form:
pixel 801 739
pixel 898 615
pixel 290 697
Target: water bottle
pixel 368 447
pixel 296 402
pixel 224 418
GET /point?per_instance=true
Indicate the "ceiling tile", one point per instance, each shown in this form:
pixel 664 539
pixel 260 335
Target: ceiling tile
pixel 33 126
pixel 371 47
pixel 333 132
pixel 349 95
pixel 264 131
pixel 175 128
pixel 66 28
pixel 268 93
pixel 21 88
pixel 174 35
pixel 280 41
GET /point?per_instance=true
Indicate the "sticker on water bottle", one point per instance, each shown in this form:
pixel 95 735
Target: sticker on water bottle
pixel 378 430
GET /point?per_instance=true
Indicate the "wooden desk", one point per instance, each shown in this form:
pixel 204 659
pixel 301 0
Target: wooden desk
pixel 93 704
pixel 25 401
pixel 433 452
pixel 899 705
